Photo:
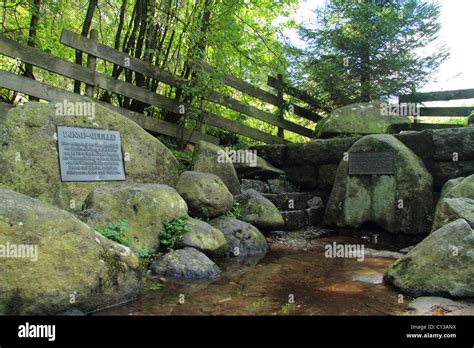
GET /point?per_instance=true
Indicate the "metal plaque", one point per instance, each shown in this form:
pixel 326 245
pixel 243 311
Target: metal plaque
pixel 87 154
pixel 376 163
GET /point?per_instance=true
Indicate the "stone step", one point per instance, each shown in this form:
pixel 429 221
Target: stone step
pixel 292 200
pixel 296 219
pixel 253 184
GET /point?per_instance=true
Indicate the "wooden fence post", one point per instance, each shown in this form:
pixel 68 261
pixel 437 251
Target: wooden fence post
pixel 281 108
pixel 91 63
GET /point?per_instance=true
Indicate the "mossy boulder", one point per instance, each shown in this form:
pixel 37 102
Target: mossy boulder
pixel 259 211
pixel 399 203
pixel 185 264
pixel 210 158
pixel 456 201
pixel 440 265
pixel 243 238
pixel 359 118
pixel 206 194
pixel 205 238
pixel 143 206
pixel 450 209
pixel 29 157
pixel 74 266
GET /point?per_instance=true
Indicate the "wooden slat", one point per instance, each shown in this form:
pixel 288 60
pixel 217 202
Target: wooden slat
pixel 240 128
pixel 254 112
pixel 261 94
pixel 86 45
pixel 112 55
pixel 42 91
pixel 447 111
pixel 437 96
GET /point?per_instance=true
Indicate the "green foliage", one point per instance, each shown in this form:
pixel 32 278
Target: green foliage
pixel 116 231
pixel 286 309
pixel 235 211
pixel 241 38
pixel 362 50
pixel 173 231
pixel 145 256
pixel 154 287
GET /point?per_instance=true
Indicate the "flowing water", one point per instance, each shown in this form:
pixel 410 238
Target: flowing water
pixel 293 278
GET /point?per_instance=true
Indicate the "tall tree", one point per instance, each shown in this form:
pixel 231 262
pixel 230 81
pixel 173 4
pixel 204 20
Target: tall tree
pixel 369 49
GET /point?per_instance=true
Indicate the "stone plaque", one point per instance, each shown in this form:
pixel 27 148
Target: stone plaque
pixel 378 163
pixel 87 154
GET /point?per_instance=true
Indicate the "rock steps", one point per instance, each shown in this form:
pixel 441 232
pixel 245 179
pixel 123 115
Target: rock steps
pixel 299 209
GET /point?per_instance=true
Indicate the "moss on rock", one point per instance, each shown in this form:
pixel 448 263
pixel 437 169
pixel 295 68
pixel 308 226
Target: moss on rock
pixel 72 261
pixel 29 158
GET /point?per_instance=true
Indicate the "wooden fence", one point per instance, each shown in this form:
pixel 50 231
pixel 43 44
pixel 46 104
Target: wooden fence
pixel 94 79
pixel 445 111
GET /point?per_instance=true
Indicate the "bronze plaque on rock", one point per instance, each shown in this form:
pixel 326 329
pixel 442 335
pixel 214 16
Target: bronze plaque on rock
pixel 372 163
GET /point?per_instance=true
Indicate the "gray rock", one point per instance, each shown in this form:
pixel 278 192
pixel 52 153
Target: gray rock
pixel 144 206
pixel 315 202
pixel 257 185
pixel 281 185
pixel 29 131
pixel 450 140
pixel 70 258
pixel 356 199
pixel 360 118
pixel 456 201
pixel 205 238
pixel 210 158
pixel 243 238
pixel 205 194
pixel 259 211
pixel 450 209
pixel 185 264
pixel 440 265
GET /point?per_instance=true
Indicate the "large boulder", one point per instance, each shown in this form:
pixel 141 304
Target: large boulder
pixel 204 237
pixel 243 238
pixel 440 265
pixel 69 265
pixel 143 206
pixel 29 157
pixel 399 203
pixel 206 194
pixel 259 211
pixel 456 201
pixel 360 118
pixel 210 158
pixel 185 264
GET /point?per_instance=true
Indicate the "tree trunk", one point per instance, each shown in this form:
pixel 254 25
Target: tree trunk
pixel 85 32
pixel 31 39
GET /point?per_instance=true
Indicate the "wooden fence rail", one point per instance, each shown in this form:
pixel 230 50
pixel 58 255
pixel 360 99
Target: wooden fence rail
pixel 94 79
pixel 441 111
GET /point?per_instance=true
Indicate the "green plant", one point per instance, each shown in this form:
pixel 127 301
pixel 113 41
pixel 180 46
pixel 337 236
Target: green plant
pixel 286 309
pixel 116 231
pixel 145 256
pixel 173 231
pixel 235 211
pixel 154 287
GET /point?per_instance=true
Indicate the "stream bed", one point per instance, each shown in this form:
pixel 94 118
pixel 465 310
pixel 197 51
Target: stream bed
pixel 293 278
